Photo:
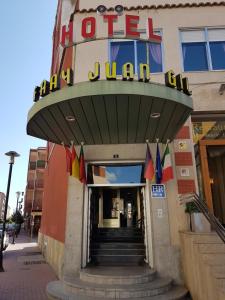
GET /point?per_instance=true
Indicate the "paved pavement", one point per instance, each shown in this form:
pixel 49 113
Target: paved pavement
pixel 26 272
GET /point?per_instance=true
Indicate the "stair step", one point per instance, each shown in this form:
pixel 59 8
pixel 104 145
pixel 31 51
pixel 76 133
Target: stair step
pixel 153 288
pixel 124 260
pixel 121 229
pixel 56 290
pixel 118 232
pixel 119 239
pixel 125 252
pixel 118 275
pixel 117 245
pixel 212 248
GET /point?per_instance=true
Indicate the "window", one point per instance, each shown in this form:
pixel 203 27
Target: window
pixel 41 164
pixel 32 165
pixel 136 52
pixel 203 49
pixel 115 174
pixel 217 48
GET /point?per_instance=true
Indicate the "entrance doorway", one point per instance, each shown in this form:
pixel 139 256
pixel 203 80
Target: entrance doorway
pixel 212 155
pixel 116 207
pixel 117 230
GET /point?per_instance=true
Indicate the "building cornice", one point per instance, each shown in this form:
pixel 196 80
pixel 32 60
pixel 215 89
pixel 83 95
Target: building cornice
pixel 160 6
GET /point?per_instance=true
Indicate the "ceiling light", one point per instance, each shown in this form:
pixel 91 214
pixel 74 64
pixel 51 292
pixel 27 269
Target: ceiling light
pixel 155 115
pixel 70 118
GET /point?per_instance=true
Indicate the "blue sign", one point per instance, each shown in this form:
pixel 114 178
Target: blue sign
pixel 158 191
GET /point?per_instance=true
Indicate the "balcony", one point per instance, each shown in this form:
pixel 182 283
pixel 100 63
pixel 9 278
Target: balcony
pixel 39 184
pixel 41 164
pixel 32 165
pixel 30 184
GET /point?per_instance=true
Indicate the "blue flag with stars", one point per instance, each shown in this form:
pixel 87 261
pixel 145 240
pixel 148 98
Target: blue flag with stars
pixel 158 168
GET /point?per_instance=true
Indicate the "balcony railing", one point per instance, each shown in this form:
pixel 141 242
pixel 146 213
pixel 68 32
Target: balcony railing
pixel 30 184
pixel 39 183
pixel 41 164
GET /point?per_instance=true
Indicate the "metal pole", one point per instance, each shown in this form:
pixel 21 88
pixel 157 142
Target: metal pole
pixel 5 215
pixel 15 229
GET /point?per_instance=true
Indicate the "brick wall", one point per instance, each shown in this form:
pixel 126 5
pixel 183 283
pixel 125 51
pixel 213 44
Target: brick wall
pixel 183 147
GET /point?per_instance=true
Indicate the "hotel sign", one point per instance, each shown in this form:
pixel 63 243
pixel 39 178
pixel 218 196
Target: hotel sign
pixel 92 28
pixel 158 191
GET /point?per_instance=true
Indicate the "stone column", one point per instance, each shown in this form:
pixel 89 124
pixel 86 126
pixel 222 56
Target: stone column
pixel 74 230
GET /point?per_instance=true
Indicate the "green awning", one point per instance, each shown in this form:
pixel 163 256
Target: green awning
pixel 109 112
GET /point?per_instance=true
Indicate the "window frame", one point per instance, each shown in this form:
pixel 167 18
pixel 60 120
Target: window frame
pixel 159 31
pixel 118 163
pixel 207 44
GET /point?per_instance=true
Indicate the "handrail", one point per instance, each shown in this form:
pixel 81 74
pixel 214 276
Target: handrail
pixel 202 206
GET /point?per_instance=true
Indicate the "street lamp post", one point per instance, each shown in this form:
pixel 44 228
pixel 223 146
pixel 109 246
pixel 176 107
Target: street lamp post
pixel 12 155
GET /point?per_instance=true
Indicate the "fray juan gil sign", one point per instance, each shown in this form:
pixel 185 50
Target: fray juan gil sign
pixel 92 28
pixel 171 80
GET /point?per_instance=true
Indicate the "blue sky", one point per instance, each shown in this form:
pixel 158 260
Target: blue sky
pixel 26 28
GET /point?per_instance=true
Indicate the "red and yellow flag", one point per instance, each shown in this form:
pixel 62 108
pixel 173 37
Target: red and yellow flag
pixel 75 164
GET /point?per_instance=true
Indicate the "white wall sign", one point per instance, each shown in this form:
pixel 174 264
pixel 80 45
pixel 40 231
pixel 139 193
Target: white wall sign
pixel 184 172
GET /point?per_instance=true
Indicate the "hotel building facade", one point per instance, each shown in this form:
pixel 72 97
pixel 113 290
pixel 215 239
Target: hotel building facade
pixel 119 77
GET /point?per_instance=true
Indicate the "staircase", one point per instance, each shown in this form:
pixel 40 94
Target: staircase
pixel 204 265
pixel 117 247
pixel 103 282
pixel 117 271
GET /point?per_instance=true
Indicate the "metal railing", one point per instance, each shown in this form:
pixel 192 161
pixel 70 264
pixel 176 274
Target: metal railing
pixel 202 206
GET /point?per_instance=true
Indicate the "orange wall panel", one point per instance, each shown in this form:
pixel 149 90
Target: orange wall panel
pixel 55 196
pixel 186 186
pixel 183 159
pixel 184 133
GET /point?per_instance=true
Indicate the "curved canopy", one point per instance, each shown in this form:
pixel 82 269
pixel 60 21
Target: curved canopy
pixel 109 112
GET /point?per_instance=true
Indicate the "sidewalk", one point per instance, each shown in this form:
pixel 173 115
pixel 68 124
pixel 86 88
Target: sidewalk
pixel 26 272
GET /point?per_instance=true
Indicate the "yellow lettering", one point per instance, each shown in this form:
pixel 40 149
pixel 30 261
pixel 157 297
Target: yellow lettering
pixel 179 82
pixel 110 71
pixel 93 76
pixel 128 71
pixel 36 94
pixel 186 86
pixel 54 83
pixel 170 79
pixel 44 88
pixel 144 72
pixel 67 76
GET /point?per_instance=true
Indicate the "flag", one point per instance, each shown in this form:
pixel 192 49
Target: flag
pixel 68 160
pixel 167 170
pixel 75 164
pixel 158 170
pixel 149 168
pixel 82 166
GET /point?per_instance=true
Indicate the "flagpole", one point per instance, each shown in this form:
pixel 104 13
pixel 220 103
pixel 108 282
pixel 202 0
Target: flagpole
pixel 158 163
pixel 167 142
